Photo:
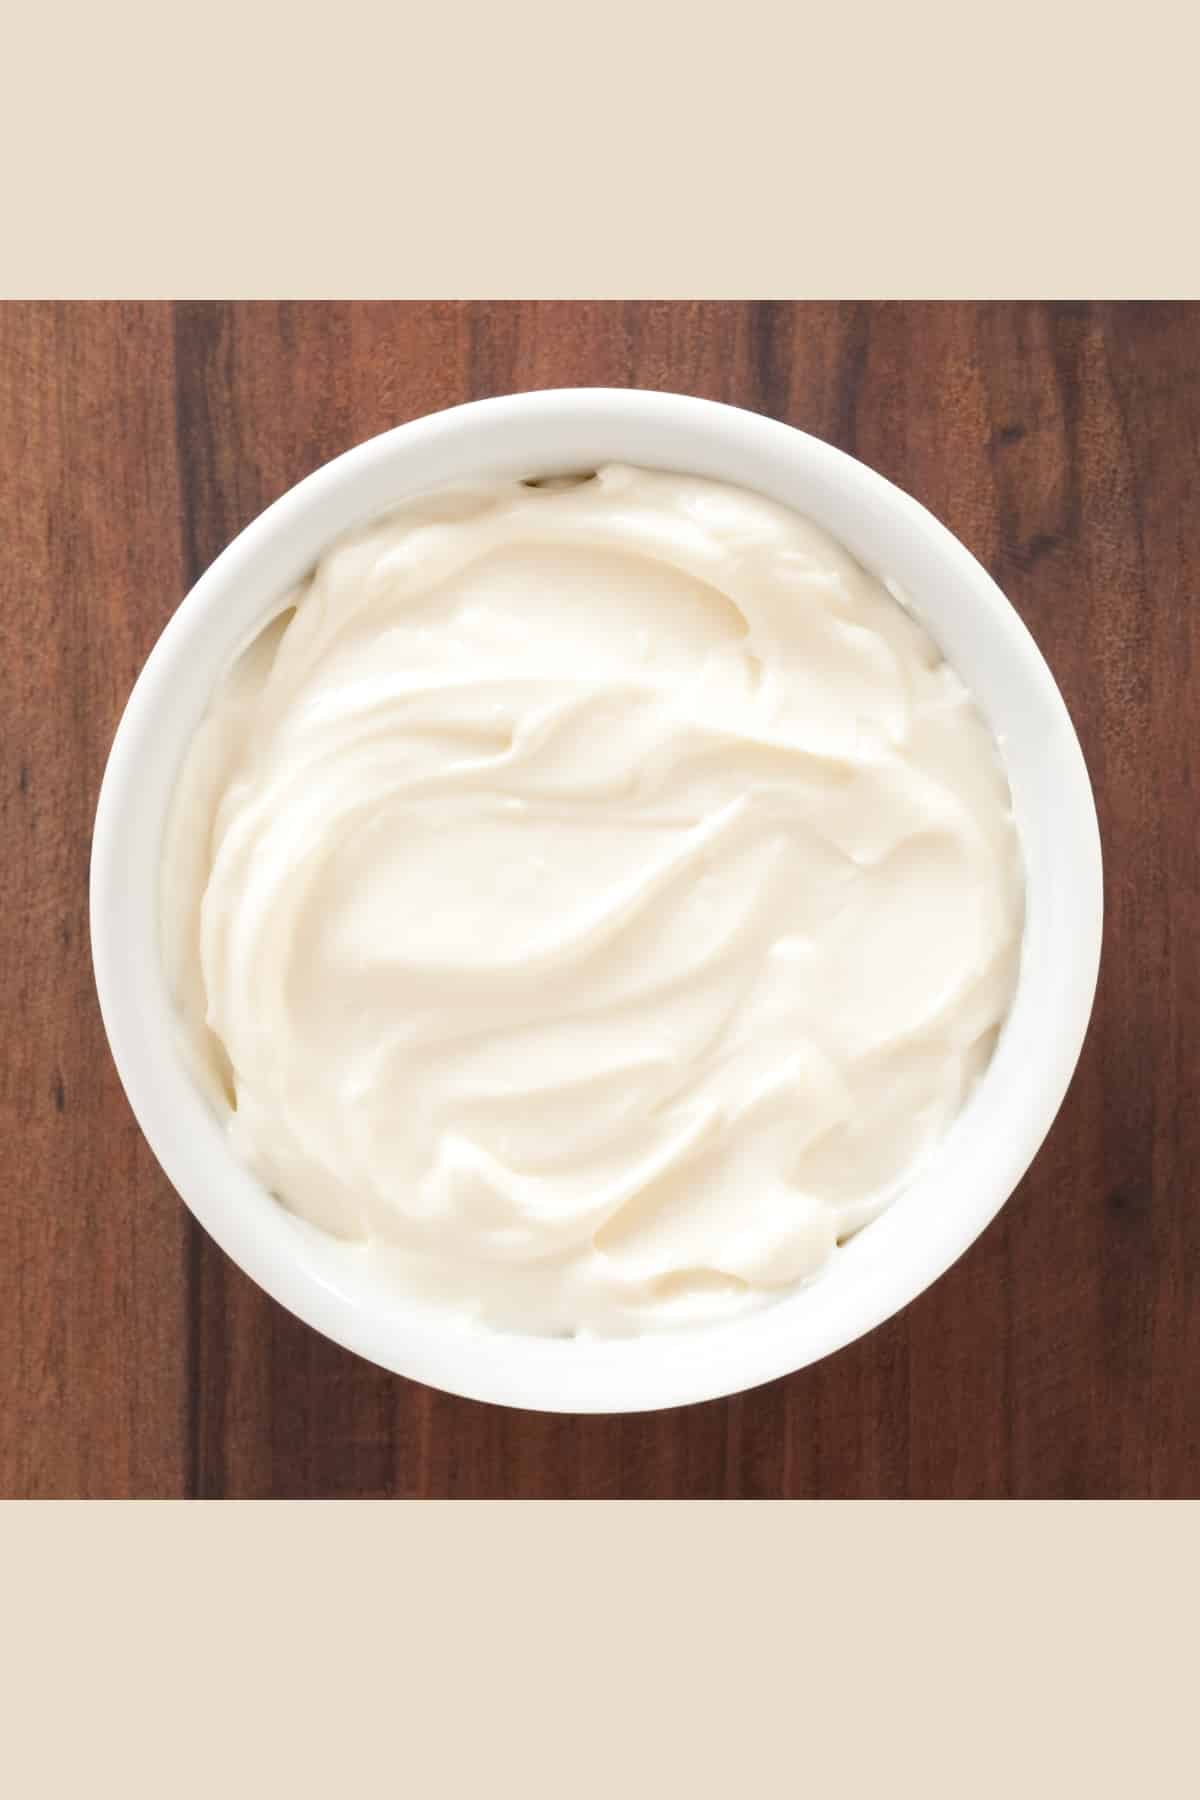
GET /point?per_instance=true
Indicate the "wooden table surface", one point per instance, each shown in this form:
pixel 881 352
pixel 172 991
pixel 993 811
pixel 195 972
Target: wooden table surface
pixel 1061 1356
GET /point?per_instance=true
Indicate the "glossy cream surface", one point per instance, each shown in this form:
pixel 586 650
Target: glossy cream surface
pixel 594 898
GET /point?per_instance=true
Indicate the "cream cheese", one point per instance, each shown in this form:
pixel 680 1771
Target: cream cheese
pixel 596 898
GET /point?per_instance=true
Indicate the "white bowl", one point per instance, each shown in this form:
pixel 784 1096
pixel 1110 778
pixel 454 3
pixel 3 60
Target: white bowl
pixel 986 1151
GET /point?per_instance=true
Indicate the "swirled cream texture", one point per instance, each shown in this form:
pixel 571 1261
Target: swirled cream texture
pixel 595 898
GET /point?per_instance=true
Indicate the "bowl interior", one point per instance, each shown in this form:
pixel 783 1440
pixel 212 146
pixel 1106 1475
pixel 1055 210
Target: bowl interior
pixel 986 1151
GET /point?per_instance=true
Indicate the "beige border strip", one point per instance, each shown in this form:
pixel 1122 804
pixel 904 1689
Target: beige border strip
pixel 596 1648
pixel 669 151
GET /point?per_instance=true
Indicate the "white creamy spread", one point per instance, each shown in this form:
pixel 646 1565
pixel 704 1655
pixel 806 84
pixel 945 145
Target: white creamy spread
pixel 596 898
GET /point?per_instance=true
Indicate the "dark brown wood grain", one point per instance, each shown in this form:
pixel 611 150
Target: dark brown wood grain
pixel 95 1389
pixel 1059 1357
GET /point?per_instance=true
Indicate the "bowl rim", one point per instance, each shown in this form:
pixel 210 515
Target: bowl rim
pixel 655 1369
